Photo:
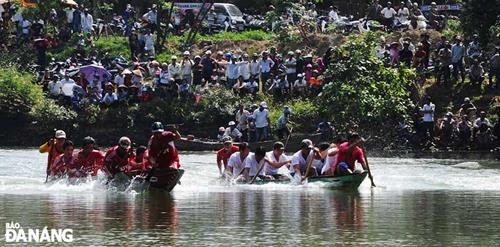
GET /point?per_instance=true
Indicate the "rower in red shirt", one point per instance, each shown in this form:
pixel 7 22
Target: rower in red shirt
pixel 348 153
pixel 138 164
pixel 116 158
pixel 64 164
pixel 224 153
pixel 162 152
pixel 89 159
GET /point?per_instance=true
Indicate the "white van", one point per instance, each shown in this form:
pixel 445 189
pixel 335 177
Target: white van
pixel 222 10
pixel 229 11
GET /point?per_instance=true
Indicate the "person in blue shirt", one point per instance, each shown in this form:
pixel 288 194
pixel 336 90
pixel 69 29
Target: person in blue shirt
pixel 457 58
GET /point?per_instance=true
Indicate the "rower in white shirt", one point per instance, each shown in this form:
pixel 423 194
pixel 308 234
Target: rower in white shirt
pixel 276 160
pixel 236 162
pixel 253 166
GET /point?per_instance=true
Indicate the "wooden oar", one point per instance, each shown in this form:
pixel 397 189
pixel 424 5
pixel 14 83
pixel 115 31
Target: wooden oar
pixel 261 165
pixel 288 137
pixel 309 164
pixel 368 168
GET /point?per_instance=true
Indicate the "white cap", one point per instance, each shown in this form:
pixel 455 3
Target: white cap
pixel 263 104
pixel 208 52
pixel 60 134
pixel 186 53
pixel 221 129
pixel 174 57
pixel 231 123
pixel 124 142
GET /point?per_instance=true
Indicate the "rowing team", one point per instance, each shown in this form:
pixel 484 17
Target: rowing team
pixel 326 159
pixel 161 153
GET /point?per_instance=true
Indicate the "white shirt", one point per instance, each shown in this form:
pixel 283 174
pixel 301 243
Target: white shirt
pixel 187 67
pixel 235 133
pixel 266 65
pixel 333 15
pixel 87 21
pixel 232 70
pixel 388 12
pixel 300 83
pixel 69 15
pixel 149 42
pixel 269 170
pixel 174 70
pixel 403 14
pixel 261 118
pixel 329 161
pixel 291 66
pixel 252 163
pixel 109 98
pixel 429 117
pixel 26 26
pixel 67 89
pixel 254 68
pixel 242 119
pixel 236 163
pixel 55 88
pixel 244 70
pixel 164 76
pixel 298 160
pixel 119 80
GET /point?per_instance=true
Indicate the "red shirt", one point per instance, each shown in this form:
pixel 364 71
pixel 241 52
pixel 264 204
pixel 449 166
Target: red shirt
pixel 113 163
pixel 92 163
pixel 134 168
pixel 60 166
pixel 163 151
pixel 223 156
pixel 349 158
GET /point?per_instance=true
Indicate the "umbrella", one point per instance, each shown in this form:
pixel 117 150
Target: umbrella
pixel 92 72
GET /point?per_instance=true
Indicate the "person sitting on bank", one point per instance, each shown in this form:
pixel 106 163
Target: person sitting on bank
pixel 301 159
pixel 236 163
pixel 275 160
pixel 220 134
pixel 223 155
pixel 233 132
pixel 349 153
pixel 252 165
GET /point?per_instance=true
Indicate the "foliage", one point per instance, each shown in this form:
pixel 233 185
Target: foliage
pixel 453 28
pixel 257 35
pixel 360 90
pixel 304 116
pixel 17 94
pixel 114 45
pixel 48 115
pixel 478 16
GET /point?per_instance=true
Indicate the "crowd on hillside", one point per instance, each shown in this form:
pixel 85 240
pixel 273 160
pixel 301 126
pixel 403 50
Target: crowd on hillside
pixel 112 81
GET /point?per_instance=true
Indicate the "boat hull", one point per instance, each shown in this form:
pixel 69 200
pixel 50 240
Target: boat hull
pixel 160 179
pixel 348 182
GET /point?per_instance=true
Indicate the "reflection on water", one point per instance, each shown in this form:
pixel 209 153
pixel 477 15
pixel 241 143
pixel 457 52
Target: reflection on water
pixel 418 203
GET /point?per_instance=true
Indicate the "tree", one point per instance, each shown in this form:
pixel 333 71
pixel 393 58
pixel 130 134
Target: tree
pixel 478 16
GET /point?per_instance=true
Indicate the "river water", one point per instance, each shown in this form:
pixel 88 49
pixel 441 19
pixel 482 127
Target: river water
pixel 422 202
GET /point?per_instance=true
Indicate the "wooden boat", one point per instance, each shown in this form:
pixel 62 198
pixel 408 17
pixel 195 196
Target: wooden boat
pixel 347 182
pixel 161 179
pixel 294 143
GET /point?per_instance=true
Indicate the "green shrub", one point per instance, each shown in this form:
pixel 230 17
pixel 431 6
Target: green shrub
pixel 114 45
pixel 361 92
pixel 453 28
pixel 49 115
pixel 17 94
